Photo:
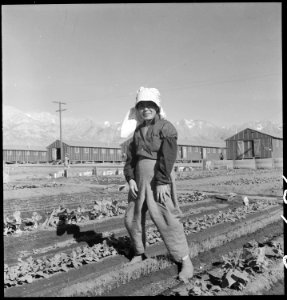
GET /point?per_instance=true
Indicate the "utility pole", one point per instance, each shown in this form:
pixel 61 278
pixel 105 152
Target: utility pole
pixel 60 114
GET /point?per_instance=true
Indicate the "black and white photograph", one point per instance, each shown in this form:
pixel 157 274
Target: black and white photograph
pixel 143 149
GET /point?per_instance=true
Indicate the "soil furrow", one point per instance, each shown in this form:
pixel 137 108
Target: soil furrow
pixel 82 233
pixel 157 275
pixel 208 239
pixel 204 244
pixel 163 281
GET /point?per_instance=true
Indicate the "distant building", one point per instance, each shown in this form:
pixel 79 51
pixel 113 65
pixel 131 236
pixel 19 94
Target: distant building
pixel 250 143
pixel 22 154
pixel 195 152
pixel 84 152
pixel 189 152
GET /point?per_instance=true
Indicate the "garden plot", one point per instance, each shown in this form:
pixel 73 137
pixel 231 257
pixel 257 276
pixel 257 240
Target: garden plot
pixel 242 181
pixel 73 256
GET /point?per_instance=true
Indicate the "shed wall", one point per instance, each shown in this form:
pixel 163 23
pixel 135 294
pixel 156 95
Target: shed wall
pixel 277 148
pixel 249 144
pixel 24 156
pixel 84 154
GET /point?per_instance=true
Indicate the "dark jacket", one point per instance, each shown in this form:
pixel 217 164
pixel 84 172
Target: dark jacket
pixel 160 143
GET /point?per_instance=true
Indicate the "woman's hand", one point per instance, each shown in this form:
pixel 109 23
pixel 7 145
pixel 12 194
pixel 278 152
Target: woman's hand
pixel 133 188
pixel 162 193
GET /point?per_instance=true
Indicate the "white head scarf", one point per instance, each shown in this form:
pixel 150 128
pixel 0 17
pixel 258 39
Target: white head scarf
pixel 132 118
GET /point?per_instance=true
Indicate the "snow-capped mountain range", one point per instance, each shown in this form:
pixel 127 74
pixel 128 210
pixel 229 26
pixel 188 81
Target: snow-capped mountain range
pixel 41 129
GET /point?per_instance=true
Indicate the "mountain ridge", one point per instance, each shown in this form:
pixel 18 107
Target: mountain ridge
pixel 42 129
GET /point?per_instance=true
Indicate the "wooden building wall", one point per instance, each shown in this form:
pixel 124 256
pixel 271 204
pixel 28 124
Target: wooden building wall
pixel 277 148
pixel 97 154
pixel 86 153
pixel 24 156
pixel 252 144
pixel 187 153
pixel 264 149
pixel 213 153
pixel 195 153
pixel 56 145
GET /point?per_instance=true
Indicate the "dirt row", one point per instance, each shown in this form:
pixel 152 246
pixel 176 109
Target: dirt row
pixel 113 275
pixel 68 237
pixel 214 238
pixel 209 238
pixel 164 282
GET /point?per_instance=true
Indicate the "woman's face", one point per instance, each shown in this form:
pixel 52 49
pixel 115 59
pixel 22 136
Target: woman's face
pixel 147 110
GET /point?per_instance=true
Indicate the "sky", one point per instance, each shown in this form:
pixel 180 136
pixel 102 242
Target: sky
pixel 219 62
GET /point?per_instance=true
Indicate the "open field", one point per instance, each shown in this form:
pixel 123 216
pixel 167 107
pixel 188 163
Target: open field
pixel 79 246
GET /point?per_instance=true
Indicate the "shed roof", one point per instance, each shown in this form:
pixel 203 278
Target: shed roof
pixel 89 144
pixel 273 136
pixel 209 144
pixel 182 142
pixel 24 147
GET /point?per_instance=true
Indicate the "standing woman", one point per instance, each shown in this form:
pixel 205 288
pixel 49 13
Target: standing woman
pixel 149 171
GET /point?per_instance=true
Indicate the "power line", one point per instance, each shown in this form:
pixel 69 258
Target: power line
pixel 60 115
pixel 191 85
pixel 218 82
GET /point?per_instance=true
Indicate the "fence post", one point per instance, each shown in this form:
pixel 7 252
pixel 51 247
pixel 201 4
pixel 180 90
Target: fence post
pixel 95 171
pixel 203 164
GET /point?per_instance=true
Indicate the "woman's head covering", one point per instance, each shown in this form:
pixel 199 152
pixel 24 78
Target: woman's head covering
pixel 132 118
pixel 148 94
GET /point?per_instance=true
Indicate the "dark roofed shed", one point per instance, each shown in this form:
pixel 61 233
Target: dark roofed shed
pixel 250 143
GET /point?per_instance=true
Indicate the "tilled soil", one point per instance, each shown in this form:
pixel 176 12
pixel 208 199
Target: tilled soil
pixel 93 271
pixel 248 182
pixel 48 242
pixel 70 192
pixel 162 282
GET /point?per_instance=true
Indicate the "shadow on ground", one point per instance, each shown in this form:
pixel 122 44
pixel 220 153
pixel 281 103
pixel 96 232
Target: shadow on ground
pixel 121 244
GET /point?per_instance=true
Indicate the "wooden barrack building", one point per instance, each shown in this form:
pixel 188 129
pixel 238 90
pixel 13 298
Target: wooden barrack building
pixel 250 143
pixel 83 152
